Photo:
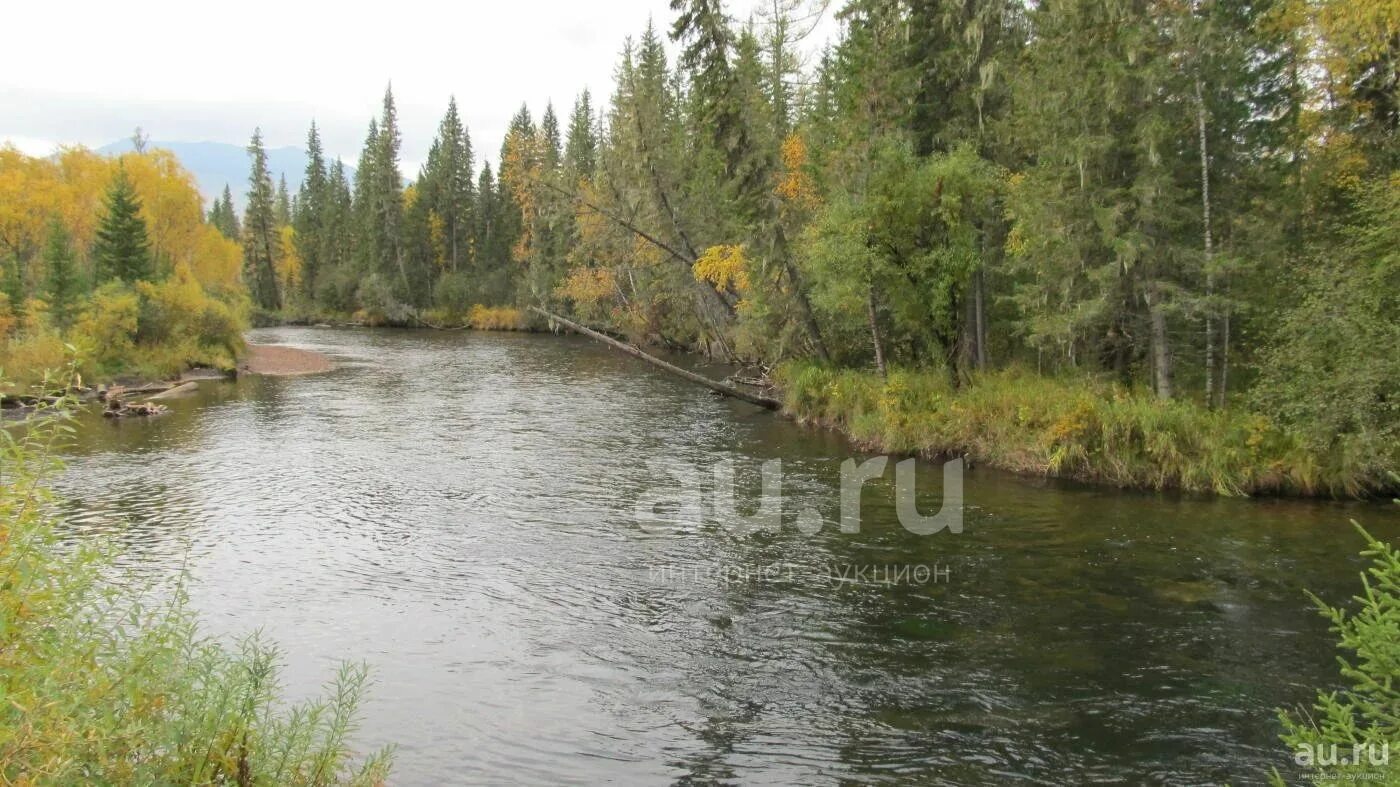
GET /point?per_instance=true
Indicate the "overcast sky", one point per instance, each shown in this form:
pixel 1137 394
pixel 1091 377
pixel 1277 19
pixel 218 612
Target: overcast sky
pixel 89 72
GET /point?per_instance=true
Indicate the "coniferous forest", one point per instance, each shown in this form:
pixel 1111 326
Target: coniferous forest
pixel 1146 244
pixel 1145 221
pixel 1192 199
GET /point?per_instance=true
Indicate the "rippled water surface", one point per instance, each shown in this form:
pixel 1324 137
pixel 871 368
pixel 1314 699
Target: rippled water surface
pixel 457 510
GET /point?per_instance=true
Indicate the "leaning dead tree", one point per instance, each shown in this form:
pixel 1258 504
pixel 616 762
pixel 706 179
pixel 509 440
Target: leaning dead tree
pixel 636 352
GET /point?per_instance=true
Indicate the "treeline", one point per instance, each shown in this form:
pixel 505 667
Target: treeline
pixel 1196 199
pixel 112 257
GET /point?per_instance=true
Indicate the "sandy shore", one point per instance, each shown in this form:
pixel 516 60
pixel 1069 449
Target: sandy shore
pixel 279 361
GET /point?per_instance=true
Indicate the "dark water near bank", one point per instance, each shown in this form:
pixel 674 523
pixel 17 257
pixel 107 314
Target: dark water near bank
pixel 457 510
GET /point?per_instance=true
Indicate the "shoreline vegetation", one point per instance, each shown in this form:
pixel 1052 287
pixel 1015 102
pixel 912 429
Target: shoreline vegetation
pixel 109 677
pixel 934 237
pixel 1074 429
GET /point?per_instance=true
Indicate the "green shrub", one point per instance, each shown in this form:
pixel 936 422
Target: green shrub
pixel 455 293
pixel 98 684
pixel 379 305
pixel 336 288
pixel 1078 428
pixel 106 330
pixel 1354 735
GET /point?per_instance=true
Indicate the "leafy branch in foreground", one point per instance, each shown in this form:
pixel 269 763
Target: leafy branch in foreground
pixel 100 682
pixel 1355 733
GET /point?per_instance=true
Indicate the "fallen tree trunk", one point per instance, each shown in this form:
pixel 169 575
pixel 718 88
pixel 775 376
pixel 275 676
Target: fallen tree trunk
pixel 714 385
pixel 180 390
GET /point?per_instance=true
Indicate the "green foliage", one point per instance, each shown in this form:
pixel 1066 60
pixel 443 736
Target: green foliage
pixel 1083 187
pixel 106 680
pixel 62 286
pixel 122 250
pixel 261 241
pixel 1348 728
pixel 154 329
pixel 1070 428
pixel 911 242
pixel 1333 370
pixel 223 216
pixel 312 220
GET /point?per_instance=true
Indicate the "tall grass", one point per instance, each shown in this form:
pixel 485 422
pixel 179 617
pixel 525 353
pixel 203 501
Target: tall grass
pixel 1080 429
pixel 99 684
pixel 496 318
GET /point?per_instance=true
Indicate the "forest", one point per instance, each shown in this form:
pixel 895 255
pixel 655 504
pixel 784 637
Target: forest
pixel 1148 242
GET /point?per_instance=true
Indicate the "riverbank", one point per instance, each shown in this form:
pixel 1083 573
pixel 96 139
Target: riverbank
pixel 1074 429
pixel 277 361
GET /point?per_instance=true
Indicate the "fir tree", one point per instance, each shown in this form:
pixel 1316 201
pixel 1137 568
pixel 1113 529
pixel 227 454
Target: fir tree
pixel 387 195
pixel 223 215
pixel 261 244
pixel 283 210
pixel 446 188
pixel 310 218
pixel 581 146
pixel 61 285
pixel 366 228
pixel 553 141
pixel 121 250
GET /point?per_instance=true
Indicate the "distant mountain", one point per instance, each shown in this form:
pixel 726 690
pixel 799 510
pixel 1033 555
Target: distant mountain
pixel 214 164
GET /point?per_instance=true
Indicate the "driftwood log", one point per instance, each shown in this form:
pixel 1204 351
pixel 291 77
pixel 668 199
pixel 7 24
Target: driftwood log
pixel 116 408
pixel 714 385
pixel 182 389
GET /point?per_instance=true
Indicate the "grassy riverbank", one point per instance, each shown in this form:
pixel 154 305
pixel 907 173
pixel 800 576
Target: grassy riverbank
pixel 104 682
pixel 1077 429
pixel 477 317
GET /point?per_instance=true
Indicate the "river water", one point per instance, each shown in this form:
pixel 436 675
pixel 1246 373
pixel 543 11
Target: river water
pixel 458 510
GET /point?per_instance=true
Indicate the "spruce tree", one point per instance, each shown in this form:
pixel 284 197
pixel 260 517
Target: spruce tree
pixel 365 227
pixel 61 275
pixel 581 147
pixel 310 219
pixel 261 242
pixel 553 142
pixel 446 188
pixel 283 210
pixel 122 250
pixel 388 196
pixel 222 217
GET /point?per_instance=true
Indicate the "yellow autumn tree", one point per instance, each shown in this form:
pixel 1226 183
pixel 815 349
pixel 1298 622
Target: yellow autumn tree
pixel 520 174
pixel 288 263
pixel 725 267
pixel 193 313
pixel 795 185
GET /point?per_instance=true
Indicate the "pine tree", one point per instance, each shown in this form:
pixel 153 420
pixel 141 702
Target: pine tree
pixel 283 206
pixel 446 188
pixel 366 228
pixel 1101 218
pixel 122 250
pixel 336 264
pixel 223 215
pixel 957 51
pixel 311 218
pixel 553 142
pixel 261 242
pixel 388 196
pixel 215 216
pixel 62 287
pixel 581 147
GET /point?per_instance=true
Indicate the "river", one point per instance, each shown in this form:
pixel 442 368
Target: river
pixel 458 510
